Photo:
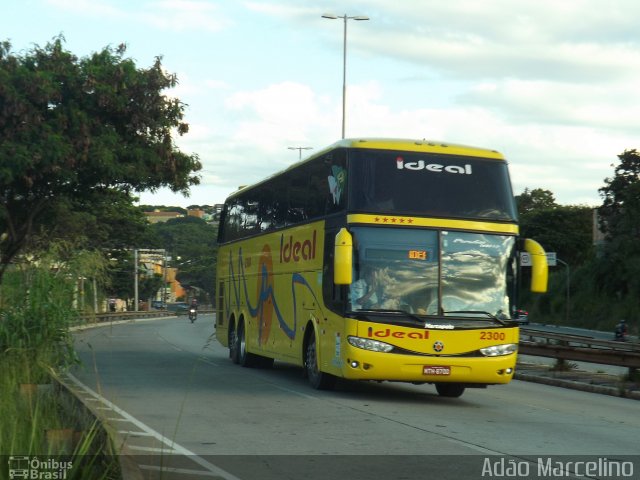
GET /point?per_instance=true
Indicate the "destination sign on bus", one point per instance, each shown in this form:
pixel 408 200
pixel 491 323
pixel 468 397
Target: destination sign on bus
pixel 418 254
pixel 388 254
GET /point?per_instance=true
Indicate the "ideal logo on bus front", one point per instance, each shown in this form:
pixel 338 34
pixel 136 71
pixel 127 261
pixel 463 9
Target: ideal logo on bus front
pixel 433 167
pixel 294 249
pixel 387 332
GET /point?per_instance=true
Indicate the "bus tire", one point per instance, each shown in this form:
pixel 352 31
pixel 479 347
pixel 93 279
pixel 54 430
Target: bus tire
pixel 234 344
pixel 450 390
pixel 245 358
pixel 317 379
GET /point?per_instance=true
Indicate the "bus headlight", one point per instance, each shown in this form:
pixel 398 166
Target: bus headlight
pixel 499 350
pixel 368 344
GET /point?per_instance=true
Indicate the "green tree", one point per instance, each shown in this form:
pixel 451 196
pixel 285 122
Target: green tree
pixel 620 210
pixel 564 229
pixel 106 220
pixel 536 199
pixel 620 220
pixel 76 131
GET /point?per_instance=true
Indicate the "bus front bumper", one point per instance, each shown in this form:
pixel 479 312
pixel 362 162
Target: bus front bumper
pixel 365 365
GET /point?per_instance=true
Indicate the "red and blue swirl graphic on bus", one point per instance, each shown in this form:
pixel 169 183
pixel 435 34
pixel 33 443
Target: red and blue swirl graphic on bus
pixel 265 306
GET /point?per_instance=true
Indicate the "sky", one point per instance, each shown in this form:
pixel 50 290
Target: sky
pixel 553 85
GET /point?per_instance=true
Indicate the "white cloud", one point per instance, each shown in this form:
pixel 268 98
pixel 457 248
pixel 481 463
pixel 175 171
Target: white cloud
pixel 184 15
pixel 554 103
pixel 275 115
pixel 553 85
pixel 101 8
pixel 176 15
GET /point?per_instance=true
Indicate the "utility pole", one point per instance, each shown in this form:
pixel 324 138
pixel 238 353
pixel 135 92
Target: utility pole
pixel 135 281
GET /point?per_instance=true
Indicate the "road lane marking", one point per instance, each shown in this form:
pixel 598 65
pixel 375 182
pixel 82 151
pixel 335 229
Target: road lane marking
pixel 182 471
pixel 135 434
pixel 170 443
pixel 151 449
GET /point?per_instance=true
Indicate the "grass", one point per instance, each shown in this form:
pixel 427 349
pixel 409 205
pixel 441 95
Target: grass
pixel 45 421
pixel 31 416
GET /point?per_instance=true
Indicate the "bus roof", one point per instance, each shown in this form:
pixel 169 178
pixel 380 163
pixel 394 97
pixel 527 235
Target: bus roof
pixel 400 144
pixel 427 146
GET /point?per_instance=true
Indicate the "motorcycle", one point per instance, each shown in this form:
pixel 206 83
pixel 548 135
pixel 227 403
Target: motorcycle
pixel 620 332
pixel 193 314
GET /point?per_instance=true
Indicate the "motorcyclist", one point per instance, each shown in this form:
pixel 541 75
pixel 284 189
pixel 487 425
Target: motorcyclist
pixel 620 332
pixel 193 310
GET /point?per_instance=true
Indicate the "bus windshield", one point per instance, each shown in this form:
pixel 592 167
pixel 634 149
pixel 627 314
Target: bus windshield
pixel 448 186
pixel 429 272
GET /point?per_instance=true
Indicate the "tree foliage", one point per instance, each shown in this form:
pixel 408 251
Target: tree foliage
pixel 75 133
pixel 620 221
pixel 605 287
pixel 534 200
pixel 564 229
pixel 620 210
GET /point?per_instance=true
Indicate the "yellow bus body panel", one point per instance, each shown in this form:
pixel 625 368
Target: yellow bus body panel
pixel 274 284
pixel 447 224
pixel 424 146
pixel 459 355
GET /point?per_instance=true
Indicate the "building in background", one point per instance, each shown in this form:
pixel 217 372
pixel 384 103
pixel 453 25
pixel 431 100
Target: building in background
pixel 158 216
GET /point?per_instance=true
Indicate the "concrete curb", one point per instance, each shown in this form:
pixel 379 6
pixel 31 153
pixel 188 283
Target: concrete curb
pixel 582 386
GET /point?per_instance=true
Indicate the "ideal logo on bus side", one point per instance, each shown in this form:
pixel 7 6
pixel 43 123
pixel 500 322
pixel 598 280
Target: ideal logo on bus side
pixel 433 167
pixel 387 332
pixel 296 249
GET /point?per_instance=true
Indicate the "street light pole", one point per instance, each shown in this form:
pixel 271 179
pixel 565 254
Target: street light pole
pixel 345 17
pixel 135 280
pixel 300 150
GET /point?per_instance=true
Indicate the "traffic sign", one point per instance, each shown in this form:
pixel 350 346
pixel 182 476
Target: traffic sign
pixel 525 259
pixel 551 259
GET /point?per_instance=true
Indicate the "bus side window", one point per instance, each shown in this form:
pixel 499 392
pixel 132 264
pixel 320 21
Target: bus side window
pixel 298 193
pixel 335 172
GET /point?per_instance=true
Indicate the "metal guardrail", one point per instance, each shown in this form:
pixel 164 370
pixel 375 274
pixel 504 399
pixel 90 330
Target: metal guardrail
pixel 124 316
pixel 120 316
pixel 579 348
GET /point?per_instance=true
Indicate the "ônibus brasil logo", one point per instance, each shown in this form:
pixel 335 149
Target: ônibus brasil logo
pixel 432 167
pixel 37 468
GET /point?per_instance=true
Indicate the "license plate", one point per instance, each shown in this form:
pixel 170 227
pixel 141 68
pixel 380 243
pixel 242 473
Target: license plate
pixel 436 370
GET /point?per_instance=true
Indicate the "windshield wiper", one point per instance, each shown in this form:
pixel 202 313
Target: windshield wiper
pixel 478 312
pixel 396 312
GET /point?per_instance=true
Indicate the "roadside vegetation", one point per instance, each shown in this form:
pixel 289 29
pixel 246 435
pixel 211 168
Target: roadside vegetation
pixel 78 138
pixel 37 306
pixel 599 282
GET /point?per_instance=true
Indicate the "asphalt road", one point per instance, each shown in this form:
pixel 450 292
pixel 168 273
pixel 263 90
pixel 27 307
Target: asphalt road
pixel 172 392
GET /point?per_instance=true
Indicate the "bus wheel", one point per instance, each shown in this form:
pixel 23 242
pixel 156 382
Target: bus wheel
pixel 241 341
pixel 234 345
pixel 317 379
pixel 245 358
pixel 451 390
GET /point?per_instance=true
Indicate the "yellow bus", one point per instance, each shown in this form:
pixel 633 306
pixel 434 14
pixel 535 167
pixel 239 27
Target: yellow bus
pixel 377 259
